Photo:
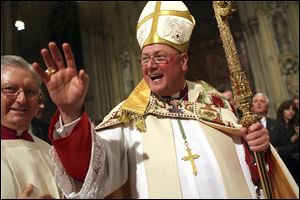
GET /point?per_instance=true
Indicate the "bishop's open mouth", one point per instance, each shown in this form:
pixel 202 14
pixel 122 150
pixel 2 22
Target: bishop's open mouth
pixel 19 109
pixel 155 77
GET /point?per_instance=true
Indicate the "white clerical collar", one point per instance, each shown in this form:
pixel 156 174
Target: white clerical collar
pixel 264 121
pixel 180 93
pixel 19 133
pixel 176 95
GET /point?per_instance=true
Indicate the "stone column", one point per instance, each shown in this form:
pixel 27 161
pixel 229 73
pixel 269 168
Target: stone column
pixel 95 45
pixel 7 25
pixel 267 31
pixel 110 52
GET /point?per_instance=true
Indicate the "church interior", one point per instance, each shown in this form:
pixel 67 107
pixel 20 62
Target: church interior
pixel 102 35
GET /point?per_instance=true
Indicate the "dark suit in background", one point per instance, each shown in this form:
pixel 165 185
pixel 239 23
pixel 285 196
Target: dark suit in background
pixel 39 128
pixel 279 138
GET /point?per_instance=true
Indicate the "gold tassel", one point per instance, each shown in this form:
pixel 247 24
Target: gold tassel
pixel 140 124
pixel 124 117
pixel 138 120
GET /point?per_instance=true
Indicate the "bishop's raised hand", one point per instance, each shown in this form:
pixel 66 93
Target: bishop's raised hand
pixel 66 86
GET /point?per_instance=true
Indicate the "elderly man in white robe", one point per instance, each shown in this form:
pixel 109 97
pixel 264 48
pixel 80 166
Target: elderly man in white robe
pixel 27 170
pixel 171 138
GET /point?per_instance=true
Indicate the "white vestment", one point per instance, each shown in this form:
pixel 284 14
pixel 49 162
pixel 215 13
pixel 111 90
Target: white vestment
pixel 152 161
pixel 125 152
pixel 147 155
pixel 24 162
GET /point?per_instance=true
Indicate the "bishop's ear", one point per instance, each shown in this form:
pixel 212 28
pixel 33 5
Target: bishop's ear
pixel 184 61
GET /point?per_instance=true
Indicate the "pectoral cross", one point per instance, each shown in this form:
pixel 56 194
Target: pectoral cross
pixel 191 157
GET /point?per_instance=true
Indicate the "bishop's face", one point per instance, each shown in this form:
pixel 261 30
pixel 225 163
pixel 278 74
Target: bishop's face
pixel 164 69
pixel 18 108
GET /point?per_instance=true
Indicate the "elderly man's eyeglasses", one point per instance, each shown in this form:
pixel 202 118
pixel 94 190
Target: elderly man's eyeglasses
pixel 158 59
pixel 13 92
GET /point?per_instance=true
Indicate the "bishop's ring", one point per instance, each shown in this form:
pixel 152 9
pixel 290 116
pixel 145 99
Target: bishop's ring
pixel 51 71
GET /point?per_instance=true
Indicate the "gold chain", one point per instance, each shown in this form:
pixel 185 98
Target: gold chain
pixel 190 157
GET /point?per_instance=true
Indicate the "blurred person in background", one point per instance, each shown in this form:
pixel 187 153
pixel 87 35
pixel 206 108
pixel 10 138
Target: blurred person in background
pixel 278 133
pixel 287 113
pixel 39 127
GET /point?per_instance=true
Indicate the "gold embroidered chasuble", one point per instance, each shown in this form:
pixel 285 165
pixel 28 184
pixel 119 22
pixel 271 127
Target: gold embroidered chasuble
pixel 200 107
pixel 150 116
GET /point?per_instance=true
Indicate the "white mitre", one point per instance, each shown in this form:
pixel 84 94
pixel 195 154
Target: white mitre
pixel 165 22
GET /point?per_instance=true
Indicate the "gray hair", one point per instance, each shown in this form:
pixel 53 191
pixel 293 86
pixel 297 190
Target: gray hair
pixel 262 94
pixel 14 61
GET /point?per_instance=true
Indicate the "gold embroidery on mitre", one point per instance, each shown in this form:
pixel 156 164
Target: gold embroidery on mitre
pixel 177 27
